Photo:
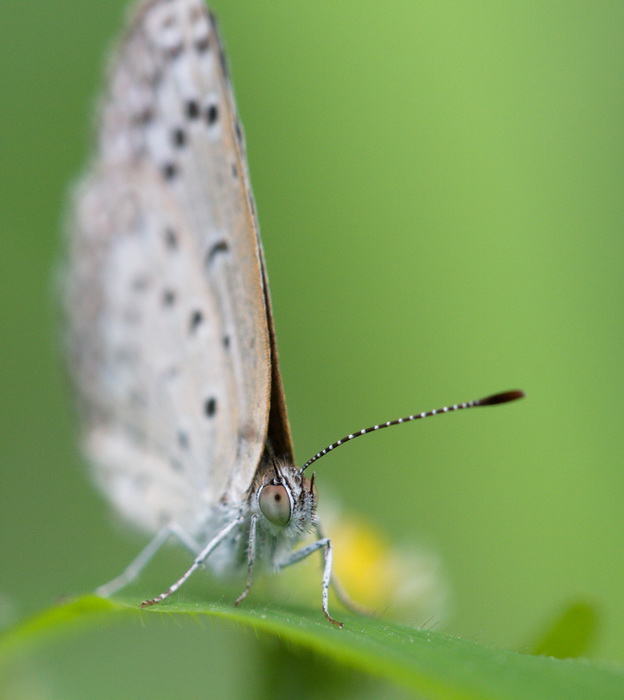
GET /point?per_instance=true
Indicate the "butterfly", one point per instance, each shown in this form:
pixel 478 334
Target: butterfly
pixel 170 337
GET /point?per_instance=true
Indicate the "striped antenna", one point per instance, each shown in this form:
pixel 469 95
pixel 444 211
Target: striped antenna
pixel 503 397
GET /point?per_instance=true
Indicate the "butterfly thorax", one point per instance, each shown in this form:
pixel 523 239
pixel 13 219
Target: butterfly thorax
pixel 283 502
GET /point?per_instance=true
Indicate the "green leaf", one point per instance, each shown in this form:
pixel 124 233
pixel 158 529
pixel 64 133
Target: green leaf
pixel 571 634
pixel 434 664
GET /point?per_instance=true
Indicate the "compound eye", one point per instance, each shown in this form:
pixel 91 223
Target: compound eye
pixel 275 504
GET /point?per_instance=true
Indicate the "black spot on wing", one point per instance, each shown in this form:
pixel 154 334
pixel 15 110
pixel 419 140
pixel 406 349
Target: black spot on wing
pixel 169 171
pixel 191 109
pixel 171 240
pixel 202 45
pixel 145 116
pixel 197 318
pixel 168 297
pixel 175 51
pixel 179 138
pixel 212 114
pixel 210 407
pixel 183 439
pixel 239 132
pixel 219 247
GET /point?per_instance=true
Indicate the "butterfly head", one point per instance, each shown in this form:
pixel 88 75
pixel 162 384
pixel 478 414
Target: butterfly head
pixel 286 498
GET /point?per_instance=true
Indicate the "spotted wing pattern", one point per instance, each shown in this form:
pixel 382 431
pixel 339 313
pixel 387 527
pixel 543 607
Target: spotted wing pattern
pixel 169 332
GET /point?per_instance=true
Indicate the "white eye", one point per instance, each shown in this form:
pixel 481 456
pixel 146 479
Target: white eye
pixel 275 504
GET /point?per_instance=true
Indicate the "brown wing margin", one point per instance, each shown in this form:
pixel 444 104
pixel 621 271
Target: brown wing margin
pixel 279 438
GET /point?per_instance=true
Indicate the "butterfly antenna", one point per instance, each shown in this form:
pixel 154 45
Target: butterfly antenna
pixel 503 397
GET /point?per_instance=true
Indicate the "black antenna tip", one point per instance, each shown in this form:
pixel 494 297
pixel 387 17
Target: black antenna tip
pixel 503 397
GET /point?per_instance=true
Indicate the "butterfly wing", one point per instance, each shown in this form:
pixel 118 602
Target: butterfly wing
pixel 169 331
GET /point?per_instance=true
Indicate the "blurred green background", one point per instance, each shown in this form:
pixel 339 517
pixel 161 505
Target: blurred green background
pixel 440 191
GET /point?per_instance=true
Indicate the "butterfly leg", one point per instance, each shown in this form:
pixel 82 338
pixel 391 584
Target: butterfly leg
pixel 137 565
pixel 199 561
pixel 344 598
pixel 325 544
pixel 251 558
